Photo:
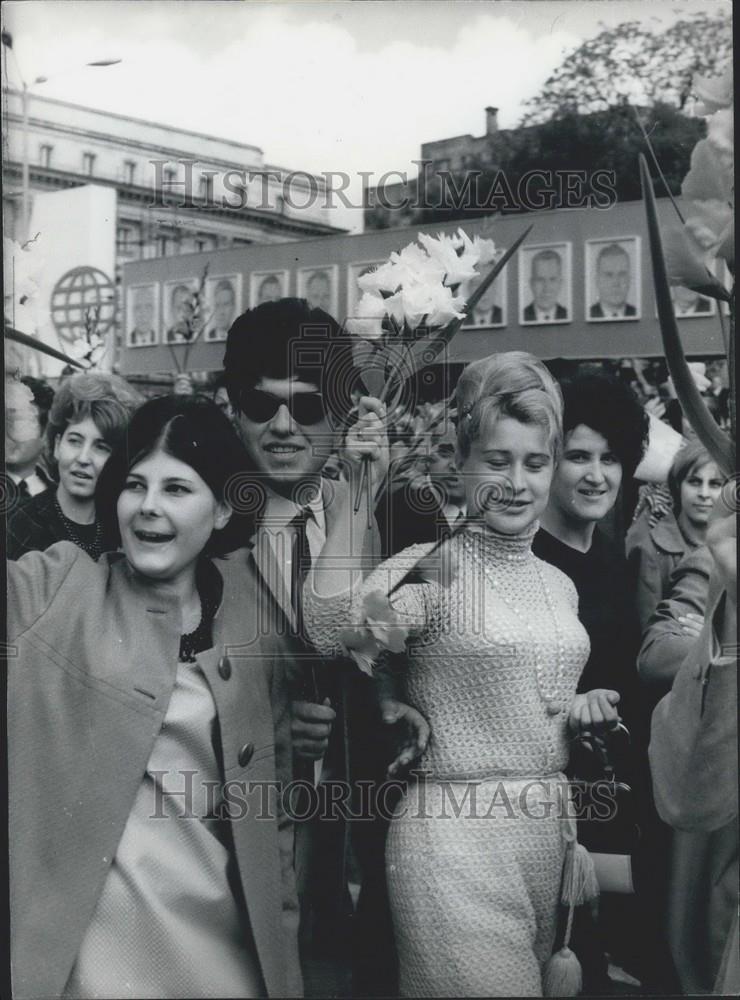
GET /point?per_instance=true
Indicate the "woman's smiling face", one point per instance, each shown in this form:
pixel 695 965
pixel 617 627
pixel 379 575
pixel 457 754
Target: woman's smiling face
pixel 166 515
pixel 507 475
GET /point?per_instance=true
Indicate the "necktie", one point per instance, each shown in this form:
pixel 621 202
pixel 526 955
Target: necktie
pixel 300 564
pixel 23 490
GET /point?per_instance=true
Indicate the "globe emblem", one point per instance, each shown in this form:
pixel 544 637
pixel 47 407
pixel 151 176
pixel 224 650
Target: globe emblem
pixel 84 294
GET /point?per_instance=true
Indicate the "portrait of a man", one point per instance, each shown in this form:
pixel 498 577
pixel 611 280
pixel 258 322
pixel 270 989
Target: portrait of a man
pixel 544 279
pixel 179 298
pixel 222 306
pixel 687 302
pixel 612 270
pixel 489 310
pixel 319 287
pixel 143 314
pixel 267 286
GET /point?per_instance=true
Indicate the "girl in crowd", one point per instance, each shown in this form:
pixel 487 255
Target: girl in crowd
pixel 493 665
pixel 86 421
pixel 653 552
pixel 141 692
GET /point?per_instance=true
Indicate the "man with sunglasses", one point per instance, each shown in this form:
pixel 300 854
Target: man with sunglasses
pixel 289 374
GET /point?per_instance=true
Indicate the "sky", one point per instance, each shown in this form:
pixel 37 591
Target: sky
pixel 347 85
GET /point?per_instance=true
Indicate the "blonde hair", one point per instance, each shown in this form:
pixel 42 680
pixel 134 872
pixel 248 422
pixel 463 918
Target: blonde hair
pixel 512 384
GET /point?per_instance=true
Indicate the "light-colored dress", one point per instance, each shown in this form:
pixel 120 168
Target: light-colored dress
pixel 475 851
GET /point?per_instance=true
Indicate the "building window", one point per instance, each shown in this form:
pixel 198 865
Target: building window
pixel 88 163
pixel 123 240
pixel 45 155
pixel 162 245
pixel 200 246
pixel 129 171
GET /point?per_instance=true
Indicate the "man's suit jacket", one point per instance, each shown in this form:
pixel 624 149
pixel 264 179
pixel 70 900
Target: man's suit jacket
pixel 92 661
pixel 335 677
pixel 530 316
pixel 597 311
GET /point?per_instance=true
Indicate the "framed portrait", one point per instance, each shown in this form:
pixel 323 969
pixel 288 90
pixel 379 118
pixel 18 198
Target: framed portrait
pixel 689 304
pixel 612 279
pixel 491 308
pixel 267 286
pixel 319 286
pixel 223 295
pixel 545 284
pixel 142 315
pixel 177 298
pixel 355 271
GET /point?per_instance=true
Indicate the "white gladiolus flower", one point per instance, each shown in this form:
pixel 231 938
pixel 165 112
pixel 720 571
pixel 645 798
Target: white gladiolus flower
pixel 368 319
pixel 382 279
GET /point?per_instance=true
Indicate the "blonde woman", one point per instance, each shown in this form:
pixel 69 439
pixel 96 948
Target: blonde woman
pixel 475 852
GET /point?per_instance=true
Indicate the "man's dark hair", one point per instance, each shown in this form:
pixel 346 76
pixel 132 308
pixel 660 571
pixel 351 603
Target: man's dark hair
pixel 288 339
pixel 43 397
pixel 608 406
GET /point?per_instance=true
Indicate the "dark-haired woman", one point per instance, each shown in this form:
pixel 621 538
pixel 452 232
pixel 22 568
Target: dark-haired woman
pixel 148 719
pixel 605 433
pixel 87 419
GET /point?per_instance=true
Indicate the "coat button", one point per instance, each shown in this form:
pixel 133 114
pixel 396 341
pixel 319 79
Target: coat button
pixel 224 668
pixel 245 754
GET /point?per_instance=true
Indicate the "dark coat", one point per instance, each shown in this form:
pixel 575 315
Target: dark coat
pixel 35 525
pixel 92 661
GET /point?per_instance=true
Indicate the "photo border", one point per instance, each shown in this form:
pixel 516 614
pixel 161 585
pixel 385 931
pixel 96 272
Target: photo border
pixel 333 269
pixel 157 286
pixel 523 254
pixel 636 275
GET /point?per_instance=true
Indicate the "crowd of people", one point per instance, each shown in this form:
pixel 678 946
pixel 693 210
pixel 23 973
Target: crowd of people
pixel 303 690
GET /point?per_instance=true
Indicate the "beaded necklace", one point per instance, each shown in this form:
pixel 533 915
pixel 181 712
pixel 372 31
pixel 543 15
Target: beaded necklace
pixel 93 547
pixel 553 698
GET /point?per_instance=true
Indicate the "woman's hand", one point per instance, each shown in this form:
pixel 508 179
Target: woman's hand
pixel 368 437
pixel 691 624
pixel 415 732
pixel 594 710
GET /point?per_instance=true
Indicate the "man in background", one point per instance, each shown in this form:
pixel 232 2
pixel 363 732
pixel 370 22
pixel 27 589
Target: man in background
pixel 27 404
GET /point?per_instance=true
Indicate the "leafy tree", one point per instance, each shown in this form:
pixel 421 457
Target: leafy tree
pixel 634 63
pixel 606 141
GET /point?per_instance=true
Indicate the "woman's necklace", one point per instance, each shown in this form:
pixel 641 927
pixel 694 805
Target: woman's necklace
pixel 93 547
pixel 553 697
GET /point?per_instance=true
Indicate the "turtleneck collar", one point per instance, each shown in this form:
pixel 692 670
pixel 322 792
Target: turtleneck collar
pixel 500 547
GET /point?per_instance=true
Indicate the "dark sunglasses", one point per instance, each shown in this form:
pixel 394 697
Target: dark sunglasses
pixel 305 407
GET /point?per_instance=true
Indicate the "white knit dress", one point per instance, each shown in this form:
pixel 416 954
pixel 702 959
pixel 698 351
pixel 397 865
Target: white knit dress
pixel 475 850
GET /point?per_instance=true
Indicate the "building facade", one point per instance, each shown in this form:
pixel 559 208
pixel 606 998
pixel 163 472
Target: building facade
pixel 177 191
